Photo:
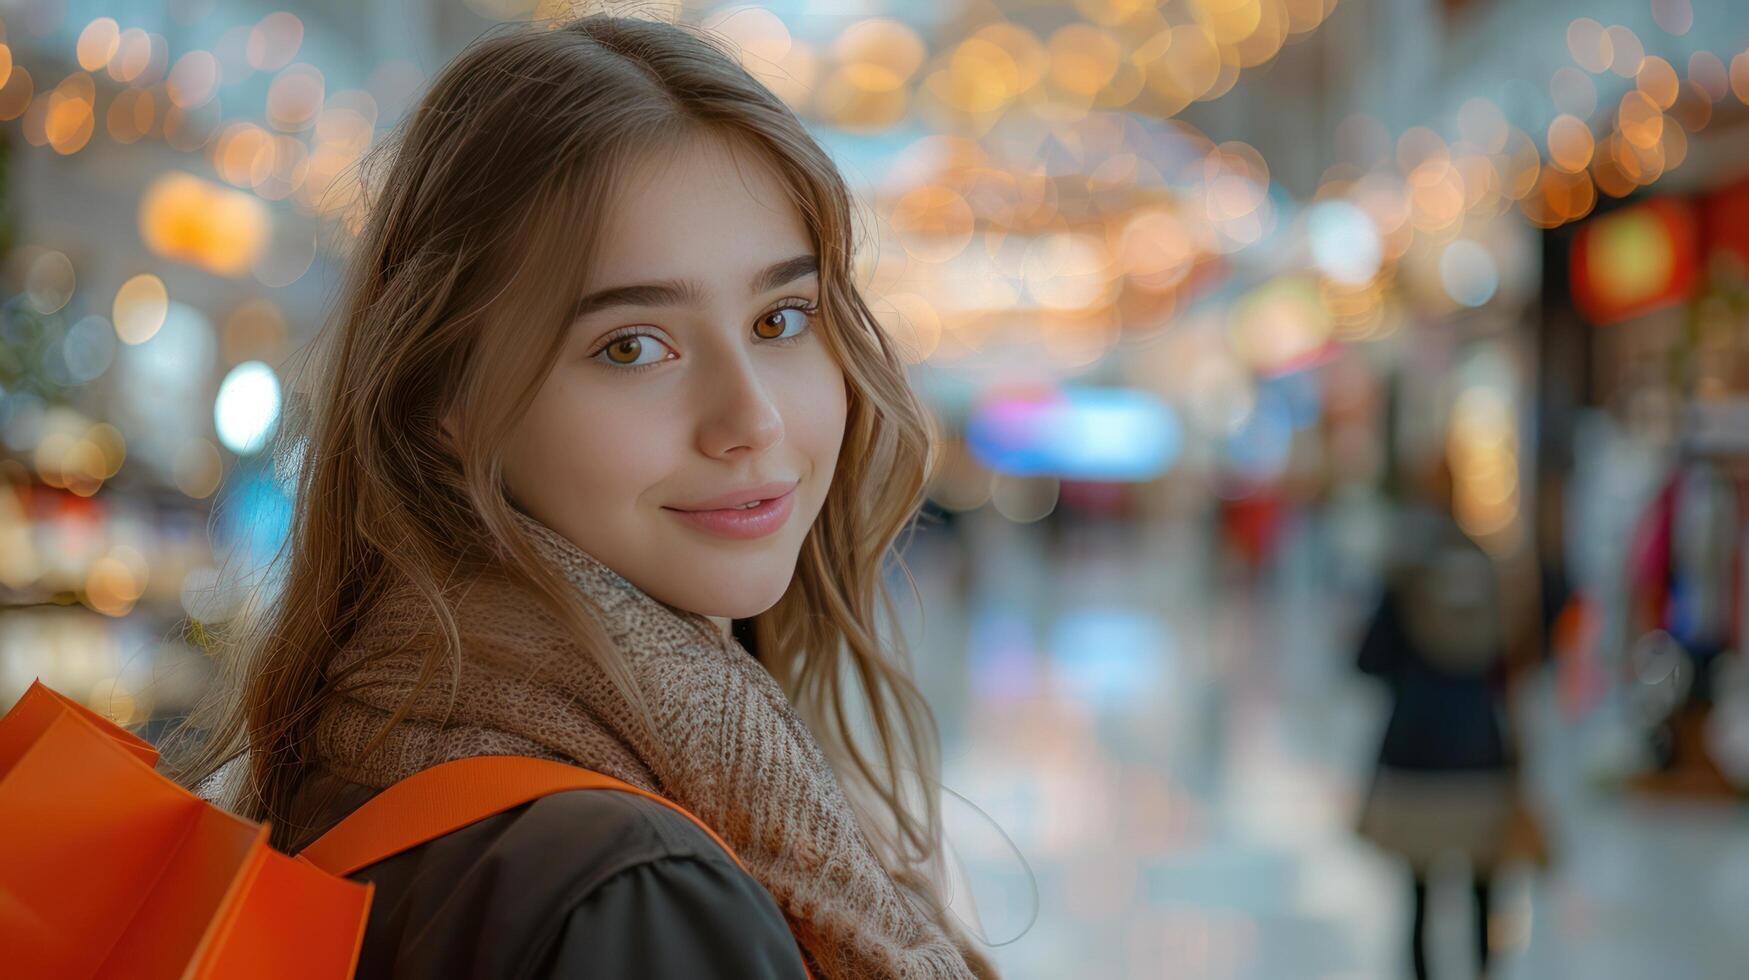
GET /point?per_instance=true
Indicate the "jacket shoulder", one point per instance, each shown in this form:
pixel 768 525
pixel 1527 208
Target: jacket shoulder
pixel 600 874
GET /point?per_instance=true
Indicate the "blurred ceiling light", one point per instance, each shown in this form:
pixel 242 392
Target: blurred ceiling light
pixel 1708 71
pixel 879 54
pixel 70 119
pixel 1482 184
pixel 1640 120
pixel 192 220
pixel 979 77
pixel 1084 59
pixel 1674 17
pixel 349 120
pixel 1590 45
pixel 1436 194
pixel 755 33
pixel 50 281
pixel 1641 164
pixel 131 57
pixel 849 104
pixel 280 168
pixel 112 589
pixel 295 97
pixel 1187 64
pixel 932 222
pixel 247 407
pixel 1068 271
pixel 140 307
pixel 1264 43
pixel 1658 81
pixel 1418 145
pixel 1156 249
pixel 1570 143
pixel 111 445
pixel 1305 16
pixel 1344 241
pixel 1228 21
pixel 98 43
pixel 1628 54
pixel 193 80
pixel 275 40
pixel 235 151
pixel 1559 197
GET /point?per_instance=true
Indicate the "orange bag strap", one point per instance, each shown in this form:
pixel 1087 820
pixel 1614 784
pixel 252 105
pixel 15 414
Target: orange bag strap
pixel 451 795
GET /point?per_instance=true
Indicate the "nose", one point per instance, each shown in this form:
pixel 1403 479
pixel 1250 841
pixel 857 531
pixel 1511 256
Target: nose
pixel 740 416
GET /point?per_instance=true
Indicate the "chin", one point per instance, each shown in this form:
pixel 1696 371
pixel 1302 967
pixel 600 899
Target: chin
pixel 734 592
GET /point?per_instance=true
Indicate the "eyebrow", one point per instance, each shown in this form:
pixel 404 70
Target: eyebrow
pixel 678 292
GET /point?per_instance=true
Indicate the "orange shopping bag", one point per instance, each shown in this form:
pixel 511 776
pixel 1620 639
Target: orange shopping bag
pixel 108 869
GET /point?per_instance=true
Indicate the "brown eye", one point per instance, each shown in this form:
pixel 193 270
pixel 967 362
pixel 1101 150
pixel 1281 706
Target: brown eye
pixel 632 351
pixel 772 326
pixel 625 350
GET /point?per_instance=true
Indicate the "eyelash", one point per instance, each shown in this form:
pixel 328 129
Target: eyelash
pixel 810 311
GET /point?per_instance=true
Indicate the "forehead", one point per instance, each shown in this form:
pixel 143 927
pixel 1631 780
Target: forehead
pixel 703 210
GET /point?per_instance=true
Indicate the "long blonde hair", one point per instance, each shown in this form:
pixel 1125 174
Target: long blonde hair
pixel 500 174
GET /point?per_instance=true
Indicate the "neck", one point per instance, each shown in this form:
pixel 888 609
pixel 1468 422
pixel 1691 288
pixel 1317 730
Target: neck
pixel 723 623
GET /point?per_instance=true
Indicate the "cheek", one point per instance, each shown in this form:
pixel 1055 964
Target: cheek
pixel 556 453
pixel 817 405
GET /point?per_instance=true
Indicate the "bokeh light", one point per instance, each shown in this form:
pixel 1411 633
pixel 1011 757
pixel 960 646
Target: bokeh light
pixel 247 407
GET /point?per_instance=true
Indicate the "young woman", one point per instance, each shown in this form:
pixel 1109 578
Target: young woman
pixel 600 389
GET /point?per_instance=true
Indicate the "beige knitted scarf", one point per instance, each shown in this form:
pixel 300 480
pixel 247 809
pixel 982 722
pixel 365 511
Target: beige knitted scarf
pixel 723 741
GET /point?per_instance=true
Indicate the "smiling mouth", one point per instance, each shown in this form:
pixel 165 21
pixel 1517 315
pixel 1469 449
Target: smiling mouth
pixel 743 521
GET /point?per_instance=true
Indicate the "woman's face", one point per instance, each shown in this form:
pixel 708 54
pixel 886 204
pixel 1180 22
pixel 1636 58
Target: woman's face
pixel 695 370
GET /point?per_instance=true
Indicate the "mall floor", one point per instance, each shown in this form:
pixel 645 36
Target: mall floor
pixel 1179 754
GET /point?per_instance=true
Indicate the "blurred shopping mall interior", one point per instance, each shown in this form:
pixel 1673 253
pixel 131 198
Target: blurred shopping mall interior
pixel 1214 303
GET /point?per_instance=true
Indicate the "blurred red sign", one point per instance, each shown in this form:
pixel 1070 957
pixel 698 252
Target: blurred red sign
pixel 1635 260
pixel 1726 217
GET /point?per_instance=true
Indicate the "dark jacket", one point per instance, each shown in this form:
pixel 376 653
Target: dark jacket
pixel 1446 677
pixel 585 883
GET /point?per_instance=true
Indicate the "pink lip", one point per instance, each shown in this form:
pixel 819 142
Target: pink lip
pixel 752 522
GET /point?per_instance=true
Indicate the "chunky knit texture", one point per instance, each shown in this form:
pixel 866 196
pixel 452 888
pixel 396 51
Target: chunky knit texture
pixel 723 742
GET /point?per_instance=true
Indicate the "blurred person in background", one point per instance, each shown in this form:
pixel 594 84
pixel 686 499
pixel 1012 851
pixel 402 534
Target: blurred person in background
pixel 1446 781
pixel 602 397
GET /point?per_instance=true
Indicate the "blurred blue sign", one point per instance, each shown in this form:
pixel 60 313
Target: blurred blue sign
pixel 1114 434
